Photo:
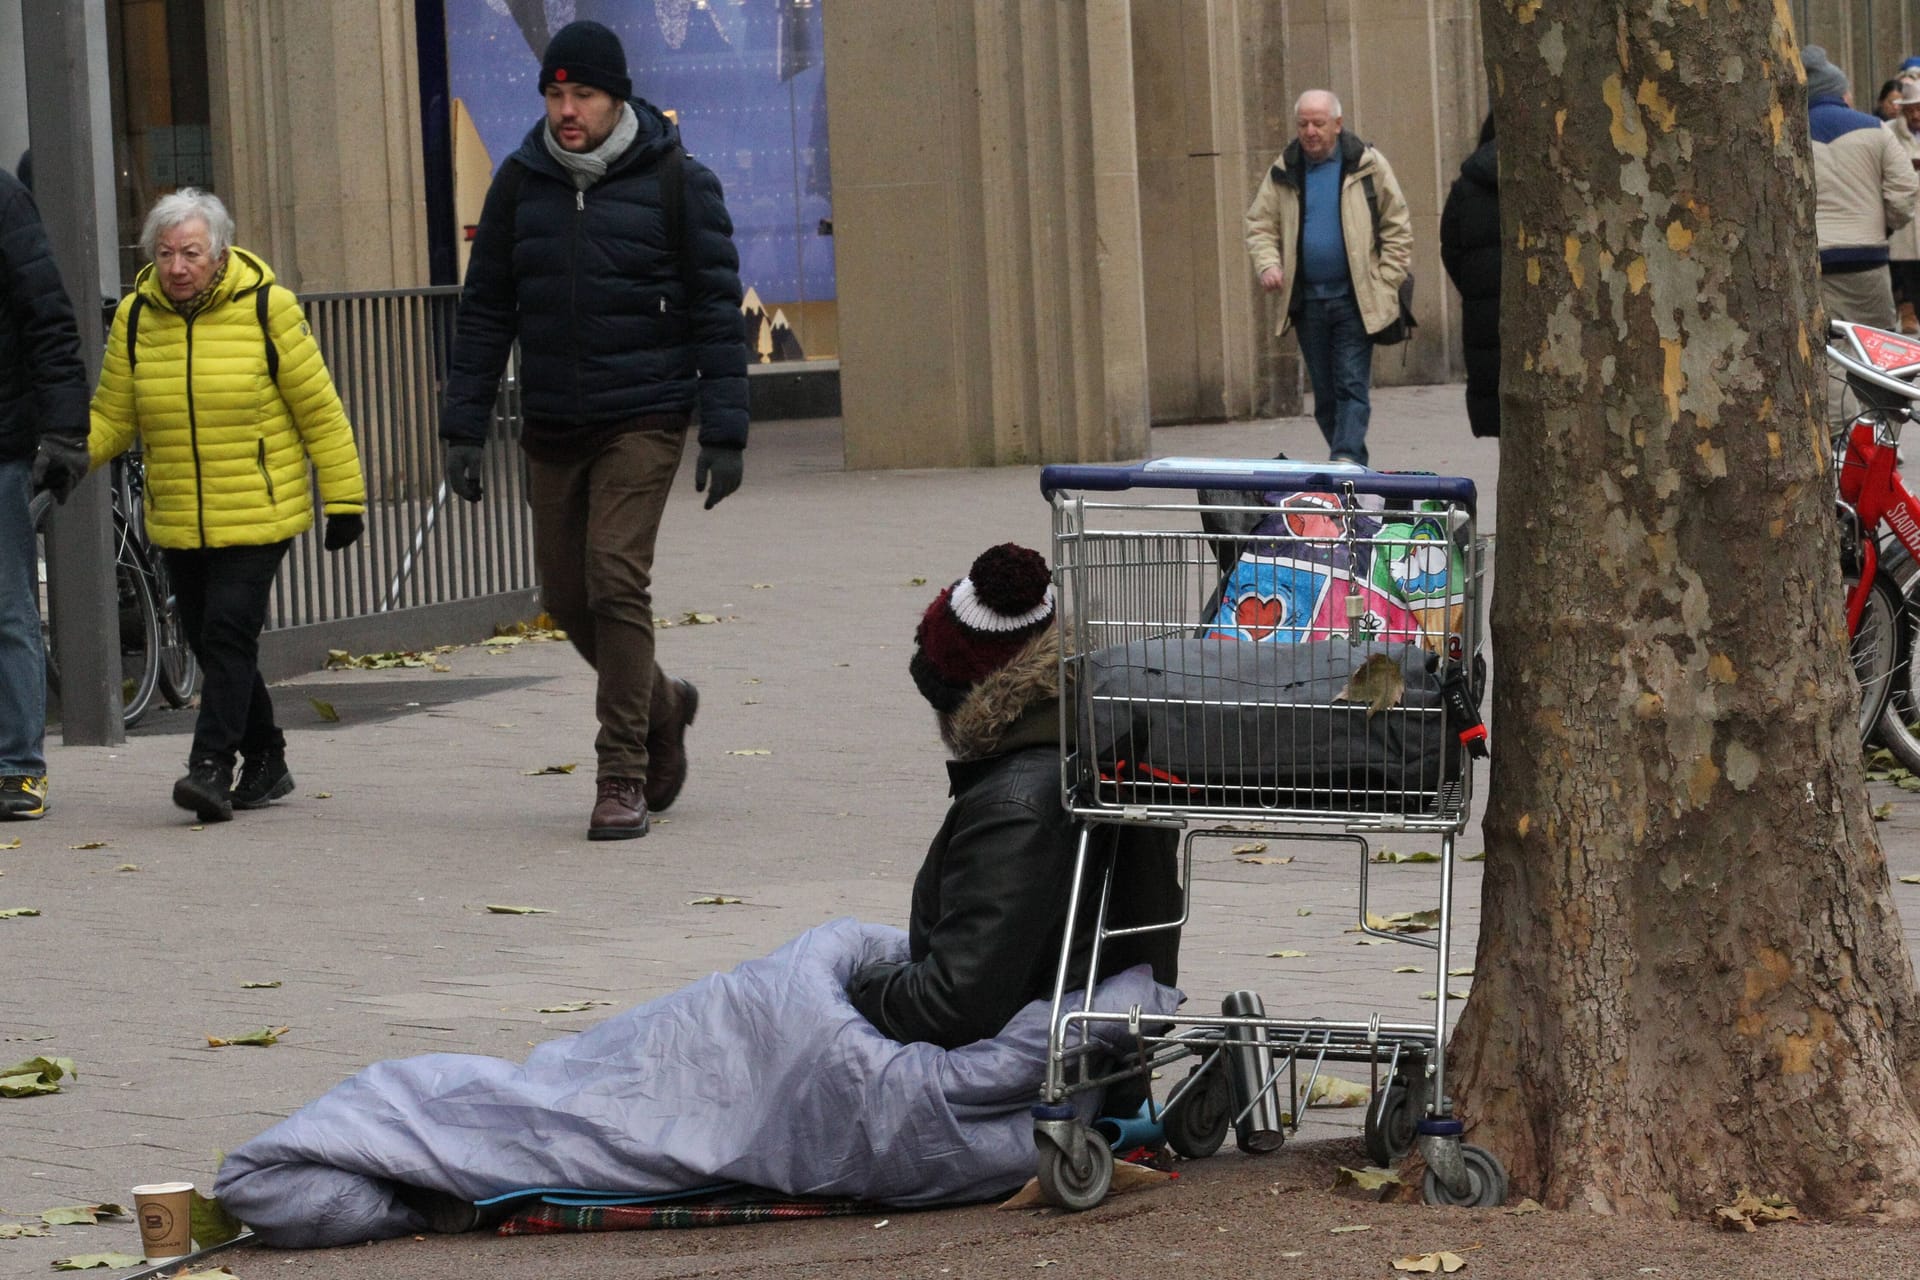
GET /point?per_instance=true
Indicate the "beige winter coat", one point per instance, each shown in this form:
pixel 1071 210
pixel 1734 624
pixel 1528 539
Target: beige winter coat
pixel 1376 265
pixel 1904 244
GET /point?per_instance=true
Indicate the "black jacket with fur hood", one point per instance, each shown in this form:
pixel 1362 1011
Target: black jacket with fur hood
pixel 990 902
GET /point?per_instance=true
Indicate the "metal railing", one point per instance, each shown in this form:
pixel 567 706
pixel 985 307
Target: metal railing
pixel 388 352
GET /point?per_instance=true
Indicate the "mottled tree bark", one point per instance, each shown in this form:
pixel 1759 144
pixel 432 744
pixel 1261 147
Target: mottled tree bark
pixel 1691 977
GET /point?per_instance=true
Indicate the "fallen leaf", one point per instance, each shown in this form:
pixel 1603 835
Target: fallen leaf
pixel 1431 1262
pixel 1341 1231
pixel 883 1222
pixel 1459 973
pixel 1388 855
pixel 758 586
pixel 90 844
pixel 212 1224
pixel 16 1230
pixel 552 768
pixel 35 1076
pixel 501 910
pixel 1435 995
pixel 128 866
pixel 1368 1179
pixel 1476 857
pixel 88 1261
pixel 81 1214
pixel 1303 911
pixel 10 913
pixel 1406 968
pixel 1400 922
pixel 1910 879
pixel 260 1039
pixel 324 710
pixel 698 619
pixel 323 795
pixel 260 986
pixel 1378 682
pixel 1332 1091
pixel 572 1006
pixel 1883 812
pixel 916 582
pixel 1527 1205
pixel 715 900
pixel 1267 862
pixel 749 751
pixel 10 844
pixel 1749 1212
pixel 1253 846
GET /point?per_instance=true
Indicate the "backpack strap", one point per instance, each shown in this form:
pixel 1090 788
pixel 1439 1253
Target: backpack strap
pixel 273 352
pixel 1373 204
pixel 133 329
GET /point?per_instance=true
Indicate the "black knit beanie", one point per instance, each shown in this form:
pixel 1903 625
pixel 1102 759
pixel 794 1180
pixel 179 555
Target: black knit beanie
pixel 586 53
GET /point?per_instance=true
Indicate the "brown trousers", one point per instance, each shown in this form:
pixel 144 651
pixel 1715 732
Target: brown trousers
pixel 594 524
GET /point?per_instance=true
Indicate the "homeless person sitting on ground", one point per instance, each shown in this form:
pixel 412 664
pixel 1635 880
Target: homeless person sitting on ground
pixel 856 1062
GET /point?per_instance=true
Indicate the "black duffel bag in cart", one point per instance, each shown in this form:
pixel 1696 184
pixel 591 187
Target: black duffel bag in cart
pixel 1306 662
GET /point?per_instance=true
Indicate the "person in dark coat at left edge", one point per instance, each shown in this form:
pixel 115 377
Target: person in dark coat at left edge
pixel 1470 251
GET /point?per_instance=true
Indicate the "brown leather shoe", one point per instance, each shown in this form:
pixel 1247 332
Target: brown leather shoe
pixel 667 748
pixel 619 811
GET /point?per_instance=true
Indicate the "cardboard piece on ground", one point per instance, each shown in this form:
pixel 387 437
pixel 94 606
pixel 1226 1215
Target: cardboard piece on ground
pixel 1126 1177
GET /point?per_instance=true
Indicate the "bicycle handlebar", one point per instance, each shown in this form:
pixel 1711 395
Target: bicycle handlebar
pixel 1856 365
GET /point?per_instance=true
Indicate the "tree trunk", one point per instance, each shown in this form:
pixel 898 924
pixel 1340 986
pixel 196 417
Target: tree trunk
pixel 1691 977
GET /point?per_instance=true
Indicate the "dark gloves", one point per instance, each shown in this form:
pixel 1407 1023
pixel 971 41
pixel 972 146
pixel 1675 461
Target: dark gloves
pixel 61 464
pixel 724 466
pixel 463 470
pixel 343 531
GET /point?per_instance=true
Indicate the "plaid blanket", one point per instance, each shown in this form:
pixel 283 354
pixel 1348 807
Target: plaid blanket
pixel 551 1219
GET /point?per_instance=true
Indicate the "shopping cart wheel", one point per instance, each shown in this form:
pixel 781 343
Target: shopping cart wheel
pixel 1196 1128
pixel 1486 1177
pixel 1393 1118
pixel 1061 1184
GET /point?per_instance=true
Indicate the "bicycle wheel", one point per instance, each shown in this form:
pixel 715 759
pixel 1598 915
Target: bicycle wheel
pixel 179 669
pixel 139 632
pixel 1875 650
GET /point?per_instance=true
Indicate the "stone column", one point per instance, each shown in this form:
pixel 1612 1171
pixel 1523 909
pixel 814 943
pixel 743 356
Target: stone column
pixel 987 234
pixel 317 139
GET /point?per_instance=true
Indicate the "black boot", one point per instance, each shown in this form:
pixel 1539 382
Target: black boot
pixel 263 779
pixel 207 789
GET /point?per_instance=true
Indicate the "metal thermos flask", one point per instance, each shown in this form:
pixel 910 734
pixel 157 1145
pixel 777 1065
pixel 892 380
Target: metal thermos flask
pixel 1261 1128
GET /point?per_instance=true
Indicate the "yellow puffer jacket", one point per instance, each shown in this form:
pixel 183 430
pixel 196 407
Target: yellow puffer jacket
pixel 226 445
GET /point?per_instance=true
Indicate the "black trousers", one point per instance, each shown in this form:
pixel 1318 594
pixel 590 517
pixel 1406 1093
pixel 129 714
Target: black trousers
pixel 223 595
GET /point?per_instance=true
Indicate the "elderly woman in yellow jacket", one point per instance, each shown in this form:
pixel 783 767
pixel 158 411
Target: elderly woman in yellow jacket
pixel 214 367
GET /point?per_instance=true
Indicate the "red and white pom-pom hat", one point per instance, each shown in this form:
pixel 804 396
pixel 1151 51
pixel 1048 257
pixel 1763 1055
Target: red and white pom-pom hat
pixel 977 625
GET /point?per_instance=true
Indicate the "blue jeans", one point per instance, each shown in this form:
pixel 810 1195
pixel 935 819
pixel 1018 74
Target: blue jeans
pixel 1339 360
pixel 23 664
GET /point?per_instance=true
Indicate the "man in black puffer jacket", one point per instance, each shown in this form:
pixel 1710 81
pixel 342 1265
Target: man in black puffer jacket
pixel 43 444
pixel 608 255
pixel 1470 251
pixel 990 903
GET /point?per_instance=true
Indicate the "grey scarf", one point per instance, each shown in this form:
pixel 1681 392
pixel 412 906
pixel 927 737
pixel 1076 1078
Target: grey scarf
pixel 588 167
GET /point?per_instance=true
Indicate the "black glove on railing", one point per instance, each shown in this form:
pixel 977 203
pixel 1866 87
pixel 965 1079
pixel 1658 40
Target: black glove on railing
pixel 343 531
pixel 723 467
pixel 463 471
pixel 59 466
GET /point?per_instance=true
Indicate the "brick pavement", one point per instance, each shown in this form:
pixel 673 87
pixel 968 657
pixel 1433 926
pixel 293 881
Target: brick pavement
pixel 363 893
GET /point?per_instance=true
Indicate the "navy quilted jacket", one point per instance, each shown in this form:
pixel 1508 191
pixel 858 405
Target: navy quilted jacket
pixel 43 384
pixel 609 323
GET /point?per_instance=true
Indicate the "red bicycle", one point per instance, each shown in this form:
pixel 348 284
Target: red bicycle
pixel 1880 531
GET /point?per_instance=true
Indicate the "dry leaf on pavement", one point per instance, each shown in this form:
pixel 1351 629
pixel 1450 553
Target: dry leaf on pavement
pixel 501 909
pixel 546 769
pixel 260 1039
pixel 74 1215
pixel 1440 1262
pixel 1368 1179
pixel 1749 1212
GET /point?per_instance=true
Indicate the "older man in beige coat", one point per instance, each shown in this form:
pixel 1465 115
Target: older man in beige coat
pixel 1329 229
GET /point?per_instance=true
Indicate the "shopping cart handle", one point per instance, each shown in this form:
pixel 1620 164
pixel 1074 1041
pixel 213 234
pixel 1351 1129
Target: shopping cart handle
pixel 1254 475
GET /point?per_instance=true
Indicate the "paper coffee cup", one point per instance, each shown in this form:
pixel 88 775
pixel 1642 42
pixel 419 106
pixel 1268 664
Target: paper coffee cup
pixel 163 1210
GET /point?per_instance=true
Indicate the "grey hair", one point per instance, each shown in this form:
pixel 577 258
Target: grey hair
pixel 185 205
pixel 1332 97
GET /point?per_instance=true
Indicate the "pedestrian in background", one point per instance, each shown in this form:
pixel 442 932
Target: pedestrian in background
pixel 1864 187
pixel 214 367
pixel 43 444
pixel 1903 246
pixel 1329 230
pixel 1887 104
pixel 1470 251
pixel 607 253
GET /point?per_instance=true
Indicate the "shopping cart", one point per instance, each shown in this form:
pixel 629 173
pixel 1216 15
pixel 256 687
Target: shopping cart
pixel 1293 651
